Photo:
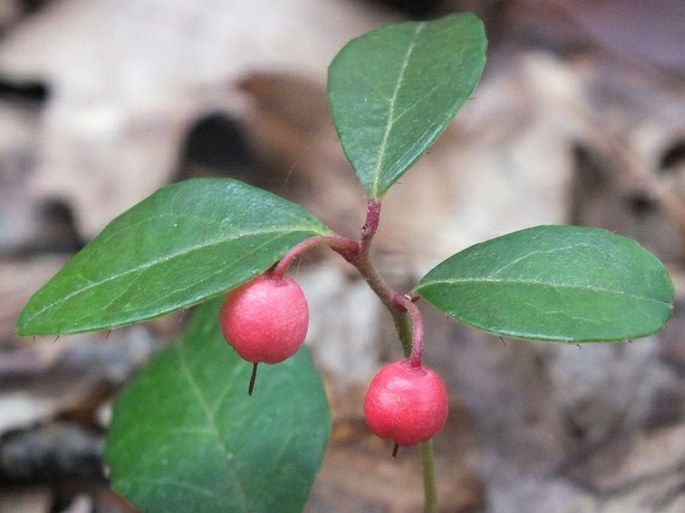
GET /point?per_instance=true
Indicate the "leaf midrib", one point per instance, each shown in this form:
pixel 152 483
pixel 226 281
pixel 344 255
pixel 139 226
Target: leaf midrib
pixel 392 102
pixel 543 285
pixel 211 421
pixel 158 261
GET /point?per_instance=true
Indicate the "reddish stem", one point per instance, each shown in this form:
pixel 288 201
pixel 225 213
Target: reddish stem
pixel 362 261
pixel 340 244
pixel 407 302
pixel 358 253
pixel 373 216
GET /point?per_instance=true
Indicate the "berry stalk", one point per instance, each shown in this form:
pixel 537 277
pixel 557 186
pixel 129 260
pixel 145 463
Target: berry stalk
pixel 338 243
pixel 416 354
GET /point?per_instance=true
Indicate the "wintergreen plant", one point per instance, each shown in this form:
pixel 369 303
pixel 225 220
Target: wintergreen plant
pixel 185 436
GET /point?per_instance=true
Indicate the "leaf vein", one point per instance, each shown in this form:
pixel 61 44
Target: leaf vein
pixel 539 252
pixel 177 483
pixel 155 262
pixel 546 285
pixel 211 420
pixel 382 150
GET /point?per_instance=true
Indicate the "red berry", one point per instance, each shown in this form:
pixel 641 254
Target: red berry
pixel 406 404
pixel 266 319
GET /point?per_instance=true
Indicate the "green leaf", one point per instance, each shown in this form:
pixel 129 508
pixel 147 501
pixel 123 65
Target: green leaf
pixel 186 438
pixel 393 91
pixel 186 243
pixel 559 283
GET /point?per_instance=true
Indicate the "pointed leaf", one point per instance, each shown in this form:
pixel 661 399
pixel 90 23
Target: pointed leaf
pixel 393 91
pixel 185 436
pixel 184 244
pixel 563 283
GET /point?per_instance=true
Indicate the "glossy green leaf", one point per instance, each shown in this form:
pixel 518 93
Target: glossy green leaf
pixel 393 91
pixel 559 283
pixel 184 244
pixel 186 438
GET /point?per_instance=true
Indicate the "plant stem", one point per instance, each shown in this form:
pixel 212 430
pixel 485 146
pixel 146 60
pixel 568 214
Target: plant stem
pixel 409 325
pixel 392 300
pixel 405 315
pixel 416 354
pixel 340 244
pixel 430 490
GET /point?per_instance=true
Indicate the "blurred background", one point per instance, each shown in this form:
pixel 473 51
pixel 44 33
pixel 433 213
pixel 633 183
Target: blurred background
pixel 579 118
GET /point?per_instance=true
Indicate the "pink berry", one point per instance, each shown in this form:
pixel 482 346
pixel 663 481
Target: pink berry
pixel 266 319
pixel 406 404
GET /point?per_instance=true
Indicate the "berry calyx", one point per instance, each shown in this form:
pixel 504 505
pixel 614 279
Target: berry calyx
pixel 265 320
pixel 406 403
